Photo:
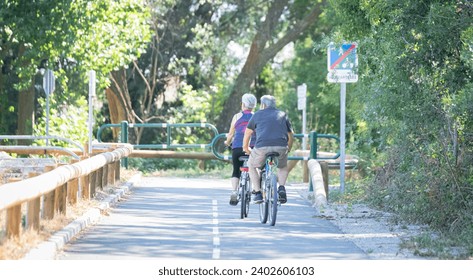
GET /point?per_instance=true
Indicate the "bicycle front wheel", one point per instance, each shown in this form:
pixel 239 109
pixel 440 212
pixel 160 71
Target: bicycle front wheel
pixel 273 199
pixel 263 206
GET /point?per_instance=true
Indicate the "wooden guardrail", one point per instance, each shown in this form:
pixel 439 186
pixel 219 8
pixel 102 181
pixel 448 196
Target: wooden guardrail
pixel 59 186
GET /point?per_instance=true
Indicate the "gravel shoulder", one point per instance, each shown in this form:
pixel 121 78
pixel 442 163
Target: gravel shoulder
pixel 375 232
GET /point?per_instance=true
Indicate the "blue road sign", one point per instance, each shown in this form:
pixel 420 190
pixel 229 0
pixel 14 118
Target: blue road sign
pixel 342 61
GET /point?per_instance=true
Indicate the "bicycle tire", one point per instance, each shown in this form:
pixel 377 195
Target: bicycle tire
pixel 243 182
pixel 263 206
pixel 247 195
pixel 273 199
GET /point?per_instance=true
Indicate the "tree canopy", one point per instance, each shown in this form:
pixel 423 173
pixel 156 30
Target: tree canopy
pixel 66 36
pixel 409 117
pixel 416 86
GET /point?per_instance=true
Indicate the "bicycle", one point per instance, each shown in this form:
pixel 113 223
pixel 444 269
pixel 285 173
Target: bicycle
pixel 244 192
pixel 268 209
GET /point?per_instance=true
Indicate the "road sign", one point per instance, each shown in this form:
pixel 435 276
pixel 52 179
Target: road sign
pixel 49 83
pixel 301 105
pixel 301 96
pixel 342 63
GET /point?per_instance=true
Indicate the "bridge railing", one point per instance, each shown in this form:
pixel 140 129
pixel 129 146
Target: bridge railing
pixel 48 149
pixel 58 186
pixel 216 145
pixel 314 138
pixel 125 126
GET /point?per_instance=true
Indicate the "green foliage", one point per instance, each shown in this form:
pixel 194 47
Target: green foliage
pixel 66 120
pixel 415 93
pixel 69 37
pixel 181 168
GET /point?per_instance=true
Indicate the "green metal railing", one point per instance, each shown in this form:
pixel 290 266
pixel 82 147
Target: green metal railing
pixel 124 126
pixel 313 136
pixel 216 146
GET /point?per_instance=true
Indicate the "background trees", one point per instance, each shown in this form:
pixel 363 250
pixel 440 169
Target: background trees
pixel 282 24
pixel 71 38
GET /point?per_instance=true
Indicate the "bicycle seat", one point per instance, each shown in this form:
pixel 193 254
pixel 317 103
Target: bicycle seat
pixel 272 154
pixel 243 158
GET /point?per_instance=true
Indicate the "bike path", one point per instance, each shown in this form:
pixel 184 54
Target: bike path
pixel 181 218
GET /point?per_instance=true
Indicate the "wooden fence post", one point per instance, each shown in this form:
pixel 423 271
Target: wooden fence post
pixel 33 209
pixel 117 171
pixel 14 216
pixel 72 191
pixel 85 186
pixel 85 183
pixel 105 176
pixel 98 178
pixel 48 199
pixel 93 183
pixel 60 198
pixel 111 173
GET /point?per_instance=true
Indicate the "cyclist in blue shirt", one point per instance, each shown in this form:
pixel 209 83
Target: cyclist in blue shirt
pixel 235 139
pixel 274 134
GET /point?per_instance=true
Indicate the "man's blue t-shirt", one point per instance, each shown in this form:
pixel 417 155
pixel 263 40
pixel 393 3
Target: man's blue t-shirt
pixel 271 126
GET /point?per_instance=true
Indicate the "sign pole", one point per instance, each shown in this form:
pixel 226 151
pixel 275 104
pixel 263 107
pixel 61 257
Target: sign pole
pixel 47 119
pixel 343 92
pixel 48 86
pixel 304 129
pixel 91 106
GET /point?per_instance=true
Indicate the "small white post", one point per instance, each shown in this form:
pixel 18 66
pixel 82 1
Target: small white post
pixel 91 106
pixel 301 105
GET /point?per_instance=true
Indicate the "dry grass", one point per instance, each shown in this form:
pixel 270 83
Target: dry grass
pixel 17 248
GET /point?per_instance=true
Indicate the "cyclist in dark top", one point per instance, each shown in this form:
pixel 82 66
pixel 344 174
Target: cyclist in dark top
pixel 235 139
pixel 274 134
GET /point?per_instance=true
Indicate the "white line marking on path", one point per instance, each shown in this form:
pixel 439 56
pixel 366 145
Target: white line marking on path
pixel 215 231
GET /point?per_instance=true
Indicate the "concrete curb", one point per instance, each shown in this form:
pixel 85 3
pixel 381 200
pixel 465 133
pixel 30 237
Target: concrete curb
pixel 48 249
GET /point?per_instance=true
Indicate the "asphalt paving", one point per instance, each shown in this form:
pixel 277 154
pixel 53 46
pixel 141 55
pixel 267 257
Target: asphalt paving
pixel 185 218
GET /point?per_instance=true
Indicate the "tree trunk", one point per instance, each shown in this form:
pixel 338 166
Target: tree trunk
pixel 260 54
pixel 116 110
pixel 119 103
pixel 26 100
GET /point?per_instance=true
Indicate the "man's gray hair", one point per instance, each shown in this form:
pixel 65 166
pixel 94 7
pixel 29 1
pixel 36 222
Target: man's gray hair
pixel 269 101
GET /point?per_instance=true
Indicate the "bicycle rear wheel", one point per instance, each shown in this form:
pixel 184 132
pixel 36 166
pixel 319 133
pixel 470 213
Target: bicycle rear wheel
pixel 263 207
pixel 243 195
pixel 273 199
pixel 247 195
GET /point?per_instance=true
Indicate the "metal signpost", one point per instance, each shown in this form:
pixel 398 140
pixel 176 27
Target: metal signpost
pixel 49 85
pixel 301 105
pixel 91 106
pixel 342 62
